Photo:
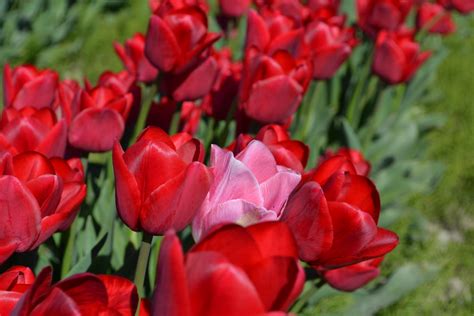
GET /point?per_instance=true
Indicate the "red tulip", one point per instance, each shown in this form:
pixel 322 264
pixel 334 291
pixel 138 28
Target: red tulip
pixel 234 8
pixel 334 217
pixel 331 6
pixel 397 56
pixel 293 9
pixel 463 6
pixel 272 86
pixel 382 15
pixel 132 54
pixel 26 86
pixel 271 31
pixel 39 196
pixel 100 115
pixel 328 45
pixel 160 181
pixel 13 283
pixel 31 129
pixel 287 152
pixel 361 165
pixel 234 271
pixel 190 117
pixel 177 36
pixel 218 103
pixel 191 84
pixel 352 277
pixel 434 17
pixel 80 294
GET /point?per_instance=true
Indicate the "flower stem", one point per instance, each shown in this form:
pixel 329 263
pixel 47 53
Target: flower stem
pixel 142 263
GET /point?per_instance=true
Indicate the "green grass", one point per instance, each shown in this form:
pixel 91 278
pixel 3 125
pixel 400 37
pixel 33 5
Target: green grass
pixel 450 207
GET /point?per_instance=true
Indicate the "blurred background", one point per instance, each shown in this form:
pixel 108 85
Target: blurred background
pixel 74 37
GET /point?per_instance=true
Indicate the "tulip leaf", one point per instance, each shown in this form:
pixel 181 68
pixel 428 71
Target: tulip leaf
pixel 351 137
pixel 85 262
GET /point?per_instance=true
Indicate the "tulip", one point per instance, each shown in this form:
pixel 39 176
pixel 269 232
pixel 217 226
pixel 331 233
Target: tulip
pixel 132 54
pixel 247 189
pixel 434 17
pixel 463 6
pixel 218 103
pixel 160 181
pixel 272 86
pixel 361 165
pixel 80 294
pixel 334 217
pixel 289 153
pixel 234 8
pixel 328 45
pixel 352 277
pixel 177 36
pixel 292 9
pixel 272 31
pixel 13 283
pixel 31 129
pixel 101 113
pixel 26 86
pixel 397 56
pixel 190 118
pixel 233 271
pixel 191 84
pixel 39 196
pixel 331 6
pixel 382 15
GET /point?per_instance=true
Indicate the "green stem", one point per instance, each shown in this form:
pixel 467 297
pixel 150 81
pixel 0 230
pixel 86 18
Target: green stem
pixel 174 126
pixel 142 263
pixel 300 304
pixel 68 252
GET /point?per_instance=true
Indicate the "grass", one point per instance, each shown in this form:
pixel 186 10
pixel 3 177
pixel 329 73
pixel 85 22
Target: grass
pixel 450 207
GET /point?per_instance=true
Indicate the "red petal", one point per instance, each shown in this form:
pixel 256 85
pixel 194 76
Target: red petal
pixel 57 303
pixel 20 215
pixel 219 288
pixel 273 100
pixel 171 296
pixel 198 83
pixel 127 194
pixel 96 129
pixel 54 144
pixel 174 204
pixel 122 294
pixel 384 242
pixel 308 217
pixel 161 46
pixel 47 191
pixel 257 31
pixel 31 165
pixel 38 93
pixel 265 234
pixel 352 229
pixel 352 277
pixel 8 300
pixel 87 291
pixel 278 280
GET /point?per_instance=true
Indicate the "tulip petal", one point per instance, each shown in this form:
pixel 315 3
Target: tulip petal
pixel 198 82
pixel 285 276
pixel 384 242
pixel 233 211
pixel 127 194
pixel 278 188
pixel 37 291
pixel 20 214
pixel 259 159
pixel 234 242
pixel 47 191
pixel 389 62
pixel 174 204
pixel 38 93
pixel 352 277
pixel 8 300
pixel 54 144
pixel 220 288
pixel 352 229
pixel 57 303
pixel 161 46
pixel 257 32
pixel 265 234
pixel 87 291
pixel 233 180
pixel 273 100
pixel 96 129
pixel 171 296
pixel 308 217
pixel 122 294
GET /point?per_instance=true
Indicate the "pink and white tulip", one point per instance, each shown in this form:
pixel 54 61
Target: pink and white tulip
pixel 247 189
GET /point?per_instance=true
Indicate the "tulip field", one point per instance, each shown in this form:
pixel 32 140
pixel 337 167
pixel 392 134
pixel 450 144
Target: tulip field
pixel 236 157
